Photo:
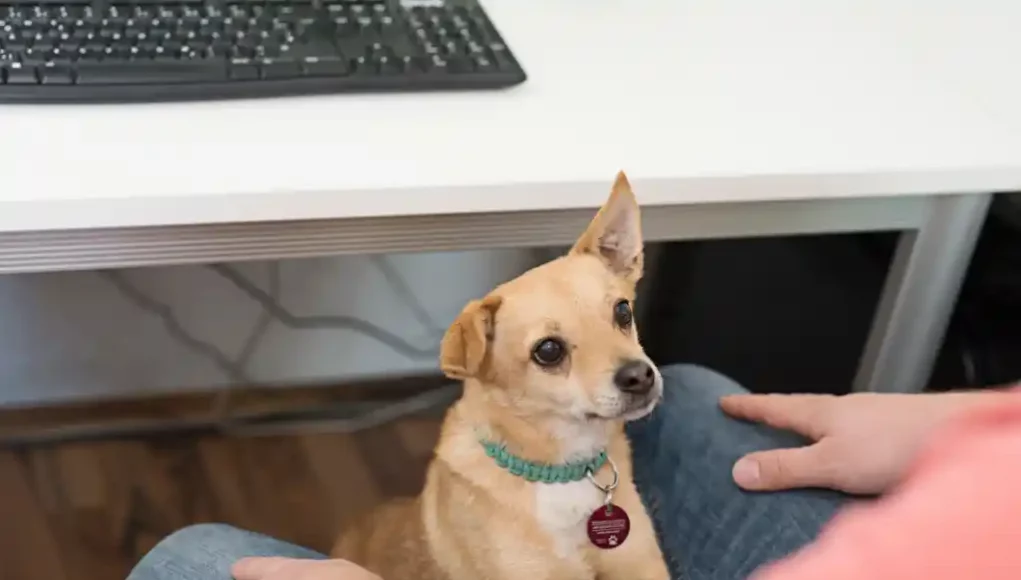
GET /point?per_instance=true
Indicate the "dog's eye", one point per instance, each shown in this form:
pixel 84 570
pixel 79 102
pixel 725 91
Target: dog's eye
pixel 622 315
pixel 549 352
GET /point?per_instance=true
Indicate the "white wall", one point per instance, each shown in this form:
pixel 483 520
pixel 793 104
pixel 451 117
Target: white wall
pixel 76 335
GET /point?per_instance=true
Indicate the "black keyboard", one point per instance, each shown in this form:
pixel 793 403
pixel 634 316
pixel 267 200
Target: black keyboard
pixel 157 50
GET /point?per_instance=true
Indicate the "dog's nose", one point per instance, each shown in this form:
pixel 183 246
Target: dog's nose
pixel 635 376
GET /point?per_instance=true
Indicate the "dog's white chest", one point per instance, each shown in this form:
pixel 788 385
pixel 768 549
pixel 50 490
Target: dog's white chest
pixel 563 510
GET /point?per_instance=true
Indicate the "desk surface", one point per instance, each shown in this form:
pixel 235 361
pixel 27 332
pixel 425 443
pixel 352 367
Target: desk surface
pixel 700 102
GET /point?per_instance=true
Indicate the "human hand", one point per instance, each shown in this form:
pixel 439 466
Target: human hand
pixel 861 443
pixel 295 569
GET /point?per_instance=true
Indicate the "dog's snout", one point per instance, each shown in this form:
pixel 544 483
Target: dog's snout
pixel 636 377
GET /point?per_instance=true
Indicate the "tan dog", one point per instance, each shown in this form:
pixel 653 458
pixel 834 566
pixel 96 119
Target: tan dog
pixel 552 370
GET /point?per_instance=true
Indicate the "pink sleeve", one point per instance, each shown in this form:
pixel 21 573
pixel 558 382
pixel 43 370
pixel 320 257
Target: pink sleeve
pixel 956 516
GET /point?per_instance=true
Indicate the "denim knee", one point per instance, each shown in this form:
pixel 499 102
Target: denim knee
pixel 201 533
pixel 703 383
pixel 207 551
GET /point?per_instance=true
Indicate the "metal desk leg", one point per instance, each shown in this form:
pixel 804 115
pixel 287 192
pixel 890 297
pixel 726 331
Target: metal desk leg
pixel 920 294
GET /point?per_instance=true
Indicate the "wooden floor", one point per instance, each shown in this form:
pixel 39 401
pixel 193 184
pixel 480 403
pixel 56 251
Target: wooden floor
pixel 89 510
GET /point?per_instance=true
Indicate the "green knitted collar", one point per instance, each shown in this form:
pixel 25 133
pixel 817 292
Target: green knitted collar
pixel 543 472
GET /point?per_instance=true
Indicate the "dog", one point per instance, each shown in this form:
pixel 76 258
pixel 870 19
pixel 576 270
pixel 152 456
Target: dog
pixel 532 471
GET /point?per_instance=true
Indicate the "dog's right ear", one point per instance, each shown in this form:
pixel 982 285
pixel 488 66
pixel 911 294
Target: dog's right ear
pixel 615 234
pixel 466 343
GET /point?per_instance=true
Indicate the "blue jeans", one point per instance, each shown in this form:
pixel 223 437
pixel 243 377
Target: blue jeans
pixel 709 529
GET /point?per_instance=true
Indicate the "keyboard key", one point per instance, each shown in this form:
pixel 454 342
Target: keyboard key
pixel 279 69
pixel 324 67
pixel 297 13
pixel 92 51
pixel 55 75
pixel 316 48
pixel 417 65
pixel 21 75
pixel 460 64
pixel 243 69
pixel 389 66
pixel 172 47
pixel 502 58
pixel 363 67
pixel 218 50
pixel 438 64
pixel 141 72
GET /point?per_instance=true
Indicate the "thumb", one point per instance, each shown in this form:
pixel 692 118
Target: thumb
pixel 782 469
pixel 257 568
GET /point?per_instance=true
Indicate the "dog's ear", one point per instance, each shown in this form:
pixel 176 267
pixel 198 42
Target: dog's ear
pixel 615 234
pixel 466 343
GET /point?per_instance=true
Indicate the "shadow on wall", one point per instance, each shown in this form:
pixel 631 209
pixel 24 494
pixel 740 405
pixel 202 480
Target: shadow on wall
pixel 782 314
pixel 77 335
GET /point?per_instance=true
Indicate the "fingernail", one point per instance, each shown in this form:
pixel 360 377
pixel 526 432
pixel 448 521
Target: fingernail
pixel 746 472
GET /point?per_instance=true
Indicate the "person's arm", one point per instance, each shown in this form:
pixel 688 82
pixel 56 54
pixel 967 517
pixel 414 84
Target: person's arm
pixel 956 515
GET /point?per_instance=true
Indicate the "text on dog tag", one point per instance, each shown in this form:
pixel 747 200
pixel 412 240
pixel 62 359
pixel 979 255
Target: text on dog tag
pixel 608 526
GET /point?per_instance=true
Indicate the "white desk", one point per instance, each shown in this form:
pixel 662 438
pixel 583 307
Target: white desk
pixel 733 118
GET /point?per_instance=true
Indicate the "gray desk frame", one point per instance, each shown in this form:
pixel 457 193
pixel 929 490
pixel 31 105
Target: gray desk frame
pixel 939 236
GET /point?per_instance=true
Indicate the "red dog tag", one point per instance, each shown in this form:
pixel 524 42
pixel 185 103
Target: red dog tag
pixel 608 527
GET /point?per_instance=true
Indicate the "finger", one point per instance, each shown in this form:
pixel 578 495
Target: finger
pixel 783 469
pixel 803 414
pixel 257 568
